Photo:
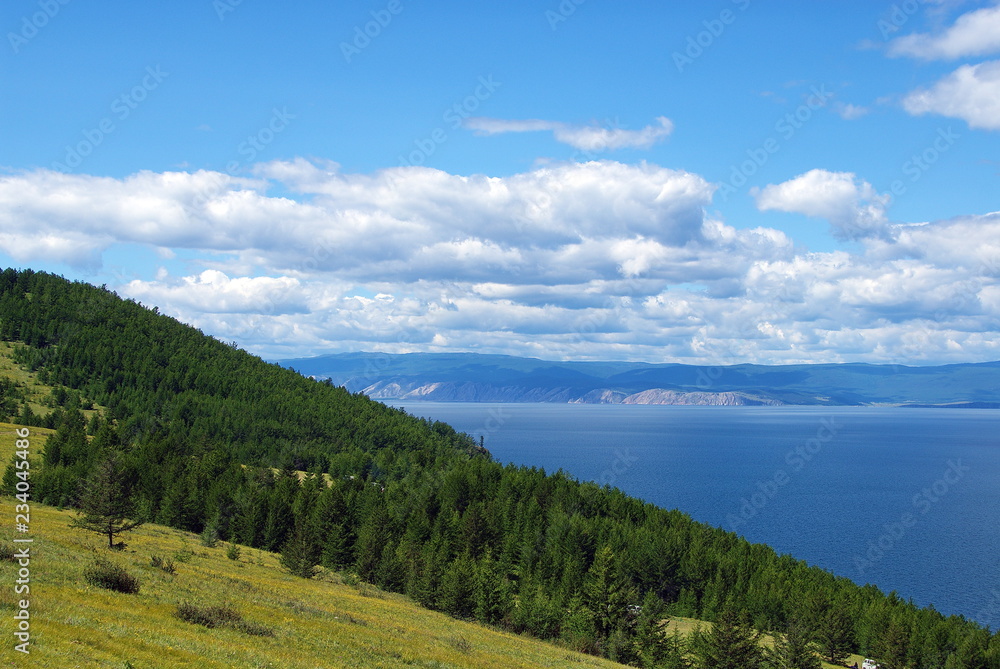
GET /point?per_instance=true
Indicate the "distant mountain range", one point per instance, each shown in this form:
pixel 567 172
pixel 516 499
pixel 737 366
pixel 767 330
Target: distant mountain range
pixel 472 377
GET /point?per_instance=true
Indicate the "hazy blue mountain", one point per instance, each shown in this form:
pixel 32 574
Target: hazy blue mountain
pixel 473 377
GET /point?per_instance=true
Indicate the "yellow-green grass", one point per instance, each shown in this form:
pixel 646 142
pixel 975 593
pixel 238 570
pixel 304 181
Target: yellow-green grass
pixel 318 623
pixel 70 617
pixel 688 625
pixel 37 393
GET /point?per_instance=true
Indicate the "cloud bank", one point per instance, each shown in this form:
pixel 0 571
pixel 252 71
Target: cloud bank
pixel 590 260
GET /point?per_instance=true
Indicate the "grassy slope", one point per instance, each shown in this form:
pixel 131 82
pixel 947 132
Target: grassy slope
pixel 38 393
pixel 688 625
pixel 318 623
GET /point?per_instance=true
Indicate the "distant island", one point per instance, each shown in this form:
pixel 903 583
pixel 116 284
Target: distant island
pixel 473 377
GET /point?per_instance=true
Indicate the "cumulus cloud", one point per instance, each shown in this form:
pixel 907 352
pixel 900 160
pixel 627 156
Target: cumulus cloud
pixel 596 260
pixel 852 206
pixel 976 33
pixel 213 291
pixel 970 93
pixel 400 223
pixel 590 138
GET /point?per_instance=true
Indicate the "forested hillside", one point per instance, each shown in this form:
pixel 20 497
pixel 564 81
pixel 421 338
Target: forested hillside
pixel 411 505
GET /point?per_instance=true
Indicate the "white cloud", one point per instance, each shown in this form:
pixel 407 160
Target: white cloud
pixel 593 261
pixel 852 206
pixel 970 93
pixel 213 292
pixel 849 112
pixel 398 223
pixel 976 33
pixel 590 138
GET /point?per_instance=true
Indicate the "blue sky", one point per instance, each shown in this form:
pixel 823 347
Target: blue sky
pixel 724 182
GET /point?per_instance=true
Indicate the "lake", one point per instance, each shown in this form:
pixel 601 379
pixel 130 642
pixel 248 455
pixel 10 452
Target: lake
pixel 906 499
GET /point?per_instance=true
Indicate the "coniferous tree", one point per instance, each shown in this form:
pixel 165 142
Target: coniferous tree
pixel 300 554
pixel 457 591
pixel 106 503
pixel 835 634
pixel 9 485
pixel 731 644
pixel 794 649
pixel 577 629
pixel 607 593
pixel 892 649
pixel 650 638
pixel 492 592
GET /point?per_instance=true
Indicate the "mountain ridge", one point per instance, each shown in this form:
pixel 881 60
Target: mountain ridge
pixel 475 377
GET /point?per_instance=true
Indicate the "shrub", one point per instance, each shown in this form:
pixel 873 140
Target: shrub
pixel 209 537
pixel 461 644
pixel 110 576
pixel 220 616
pixel 207 616
pixel 7 553
pixel 165 565
pixel 233 552
pixel 184 555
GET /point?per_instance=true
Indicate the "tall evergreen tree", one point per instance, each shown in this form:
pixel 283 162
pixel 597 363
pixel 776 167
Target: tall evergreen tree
pixel 106 503
pixel 794 649
pixel 607 593
pixel 892 648
pixel 650 638
pixel 731 644
pixel 835 634
pixel 301 554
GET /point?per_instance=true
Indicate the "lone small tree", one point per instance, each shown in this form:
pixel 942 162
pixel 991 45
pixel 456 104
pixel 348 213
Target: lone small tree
pixel 106 504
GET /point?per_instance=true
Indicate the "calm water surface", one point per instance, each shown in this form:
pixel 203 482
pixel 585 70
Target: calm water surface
pixel 907 499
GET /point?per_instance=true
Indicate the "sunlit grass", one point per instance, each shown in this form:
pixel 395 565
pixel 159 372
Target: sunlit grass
pixel 317 623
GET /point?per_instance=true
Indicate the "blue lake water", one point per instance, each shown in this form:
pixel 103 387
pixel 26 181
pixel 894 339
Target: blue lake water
pixel 907 499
